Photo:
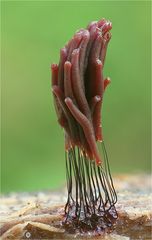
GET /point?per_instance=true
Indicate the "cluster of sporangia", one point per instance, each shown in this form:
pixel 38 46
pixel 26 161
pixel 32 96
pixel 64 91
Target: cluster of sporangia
pixel 78 86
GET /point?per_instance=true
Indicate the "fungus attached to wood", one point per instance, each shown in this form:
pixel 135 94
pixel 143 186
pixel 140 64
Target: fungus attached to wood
pixel 78 87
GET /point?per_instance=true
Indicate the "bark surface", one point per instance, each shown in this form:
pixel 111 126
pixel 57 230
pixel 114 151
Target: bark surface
pixel 40 215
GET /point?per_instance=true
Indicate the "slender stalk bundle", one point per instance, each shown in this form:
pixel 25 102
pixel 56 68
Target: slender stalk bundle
pixel 91 194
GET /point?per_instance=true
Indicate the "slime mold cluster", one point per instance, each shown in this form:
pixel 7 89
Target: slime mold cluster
pixel 78 87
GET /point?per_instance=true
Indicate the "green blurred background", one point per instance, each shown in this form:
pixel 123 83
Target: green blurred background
pixel 32 141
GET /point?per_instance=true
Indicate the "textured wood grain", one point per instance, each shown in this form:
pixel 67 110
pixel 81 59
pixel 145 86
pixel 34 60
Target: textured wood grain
pixel 39 215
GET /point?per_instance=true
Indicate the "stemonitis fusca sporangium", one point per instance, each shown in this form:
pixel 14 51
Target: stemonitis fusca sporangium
pixel 78 87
